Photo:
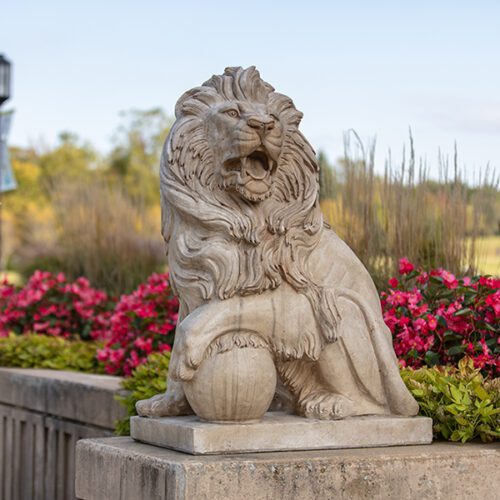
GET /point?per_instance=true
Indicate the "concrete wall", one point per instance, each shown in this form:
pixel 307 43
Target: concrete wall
pixel 43 413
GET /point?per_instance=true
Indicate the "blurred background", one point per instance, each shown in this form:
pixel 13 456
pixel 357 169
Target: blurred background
pixel 400 102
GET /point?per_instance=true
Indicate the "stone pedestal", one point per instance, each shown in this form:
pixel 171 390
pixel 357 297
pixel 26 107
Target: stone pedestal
pixel 123 469
pixel 280 432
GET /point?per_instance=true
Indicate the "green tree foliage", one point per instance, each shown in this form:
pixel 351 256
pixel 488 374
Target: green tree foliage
pixel 135 158
pixel 71 160
pixel 88 214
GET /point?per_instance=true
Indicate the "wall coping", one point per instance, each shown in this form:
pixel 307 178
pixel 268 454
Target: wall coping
pixel 82 397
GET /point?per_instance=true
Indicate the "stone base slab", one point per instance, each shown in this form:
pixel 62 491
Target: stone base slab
pixel 279 431
pixel 124 469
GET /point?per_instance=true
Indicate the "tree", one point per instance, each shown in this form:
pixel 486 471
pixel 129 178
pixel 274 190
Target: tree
pixel 71 160
pixel 135 159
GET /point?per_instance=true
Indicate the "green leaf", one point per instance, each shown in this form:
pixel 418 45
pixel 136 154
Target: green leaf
pixel 450 335
pixel 480 392
pixel 441 321
pixel 456 349
pixel 431 358
pixel 462 420
pixel 453 409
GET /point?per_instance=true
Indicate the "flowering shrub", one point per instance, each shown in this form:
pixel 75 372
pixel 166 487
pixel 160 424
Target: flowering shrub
pixel 48 304
pixel 437 318
pixel 142 322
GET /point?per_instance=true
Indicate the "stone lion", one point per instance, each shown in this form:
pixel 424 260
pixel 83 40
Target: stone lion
pixel 247 246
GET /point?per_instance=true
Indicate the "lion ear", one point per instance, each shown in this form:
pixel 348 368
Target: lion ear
pixel 196 101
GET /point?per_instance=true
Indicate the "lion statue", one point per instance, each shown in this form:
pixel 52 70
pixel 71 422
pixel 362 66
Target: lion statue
pixel 247 246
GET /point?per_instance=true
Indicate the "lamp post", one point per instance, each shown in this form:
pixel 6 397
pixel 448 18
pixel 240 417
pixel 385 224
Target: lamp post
pixel 5 72
pixel 5 81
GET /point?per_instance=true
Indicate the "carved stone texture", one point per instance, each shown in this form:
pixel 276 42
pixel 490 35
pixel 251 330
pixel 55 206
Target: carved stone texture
pixel 258 271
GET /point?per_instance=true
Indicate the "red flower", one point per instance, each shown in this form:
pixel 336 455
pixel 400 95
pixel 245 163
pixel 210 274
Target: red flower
pixel 493 301
pixel 50 305
pixel 439 321
pixel 449 280
pixel 142 322
pixel 432 322
pixel 393 282
pixel 405 266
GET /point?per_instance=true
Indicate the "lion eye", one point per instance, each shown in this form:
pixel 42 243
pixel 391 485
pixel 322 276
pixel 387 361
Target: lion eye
pixel 232 113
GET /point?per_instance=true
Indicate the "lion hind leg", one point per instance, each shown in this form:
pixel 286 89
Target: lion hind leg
pixel 314 399
pixel 326 405
pixel 333 397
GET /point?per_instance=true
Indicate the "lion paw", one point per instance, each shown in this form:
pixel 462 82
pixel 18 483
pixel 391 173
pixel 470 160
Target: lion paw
pixel 183 367
pixel 163 405
pixel 325 405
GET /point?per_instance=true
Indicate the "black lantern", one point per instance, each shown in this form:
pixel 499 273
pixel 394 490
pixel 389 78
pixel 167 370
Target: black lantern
pixel 5 70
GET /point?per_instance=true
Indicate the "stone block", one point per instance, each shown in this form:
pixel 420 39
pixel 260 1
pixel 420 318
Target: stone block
pixel 123 469
pixel 279 431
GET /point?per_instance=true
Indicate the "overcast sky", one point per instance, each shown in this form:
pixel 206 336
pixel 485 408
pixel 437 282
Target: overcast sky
pixel 378 67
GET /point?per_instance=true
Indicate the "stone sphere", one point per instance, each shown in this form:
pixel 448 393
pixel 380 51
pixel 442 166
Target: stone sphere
pixel 233 386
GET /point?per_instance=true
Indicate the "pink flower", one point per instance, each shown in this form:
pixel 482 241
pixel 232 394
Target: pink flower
pixel 102 355
pixel 449 280
pixel 142 322
pixel 438 315
pixel 432 322
pixel 422 278
pixel 145 345
pixel 393 282
pixel 405 266
pixel 493 301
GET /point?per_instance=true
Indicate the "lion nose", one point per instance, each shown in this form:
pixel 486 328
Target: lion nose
pixel 263 123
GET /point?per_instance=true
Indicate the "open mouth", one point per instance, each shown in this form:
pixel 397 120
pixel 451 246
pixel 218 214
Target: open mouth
pixel 250 175
pixel 257 165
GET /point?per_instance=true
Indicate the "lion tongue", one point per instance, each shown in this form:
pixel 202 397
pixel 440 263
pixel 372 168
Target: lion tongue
pixel 255 166
pixel 256 186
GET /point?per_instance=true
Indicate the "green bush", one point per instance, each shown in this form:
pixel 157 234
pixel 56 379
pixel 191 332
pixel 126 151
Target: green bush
pixel 146 381
pixel 56 353
pixel 461 402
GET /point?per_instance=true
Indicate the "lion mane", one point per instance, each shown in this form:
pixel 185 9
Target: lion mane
pixel 221 245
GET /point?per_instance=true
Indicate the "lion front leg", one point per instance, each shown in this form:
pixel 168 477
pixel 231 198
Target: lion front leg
pixel 212 320
pixel 169 404
pixel 194 335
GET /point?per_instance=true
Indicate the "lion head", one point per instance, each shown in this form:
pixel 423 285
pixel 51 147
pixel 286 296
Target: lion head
pixel 245 137
pixel 239 186
pixel 241 123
